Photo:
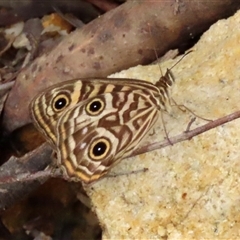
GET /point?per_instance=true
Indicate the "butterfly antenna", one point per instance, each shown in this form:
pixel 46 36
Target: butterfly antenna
pixel 180 59
pixel 155 50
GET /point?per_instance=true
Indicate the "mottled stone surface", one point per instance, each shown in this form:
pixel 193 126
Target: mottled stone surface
pixel 191 189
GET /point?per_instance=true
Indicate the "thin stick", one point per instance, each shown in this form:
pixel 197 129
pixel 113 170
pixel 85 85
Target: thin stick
pixel 189 134
pixel 190 124
pixel 6 86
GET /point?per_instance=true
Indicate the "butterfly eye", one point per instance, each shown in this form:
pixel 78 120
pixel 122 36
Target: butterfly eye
pixel 60 102
pixel 99 149
pixel 95 107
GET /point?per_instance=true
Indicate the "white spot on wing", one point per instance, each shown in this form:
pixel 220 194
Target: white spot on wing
pixel 85 130
pixel 82 146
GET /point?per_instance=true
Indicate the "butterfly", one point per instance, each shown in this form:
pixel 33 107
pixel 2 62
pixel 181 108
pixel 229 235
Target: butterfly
pixel 93 123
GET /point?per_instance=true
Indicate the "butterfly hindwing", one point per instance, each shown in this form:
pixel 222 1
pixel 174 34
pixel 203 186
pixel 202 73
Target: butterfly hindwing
pixel 96 133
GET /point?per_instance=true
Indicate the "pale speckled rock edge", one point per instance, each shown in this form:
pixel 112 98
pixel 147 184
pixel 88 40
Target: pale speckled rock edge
pixel 191 190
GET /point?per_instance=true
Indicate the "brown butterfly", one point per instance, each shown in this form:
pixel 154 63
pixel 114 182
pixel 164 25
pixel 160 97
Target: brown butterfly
pixel 93 123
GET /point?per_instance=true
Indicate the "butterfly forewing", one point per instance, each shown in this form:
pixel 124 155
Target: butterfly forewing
pixel 43 107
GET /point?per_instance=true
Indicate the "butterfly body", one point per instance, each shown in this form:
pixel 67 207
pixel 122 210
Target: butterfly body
pixel 93 124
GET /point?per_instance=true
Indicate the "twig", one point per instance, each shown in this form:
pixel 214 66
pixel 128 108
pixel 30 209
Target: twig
pixel 190 124
pixel 6 86
pixel 188 135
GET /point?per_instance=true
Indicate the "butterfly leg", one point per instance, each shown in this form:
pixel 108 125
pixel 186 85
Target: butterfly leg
pixel 164 128
pixel 183 108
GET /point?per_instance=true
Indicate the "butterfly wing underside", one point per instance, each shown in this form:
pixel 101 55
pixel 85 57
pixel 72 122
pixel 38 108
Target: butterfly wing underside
pixel 89 141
